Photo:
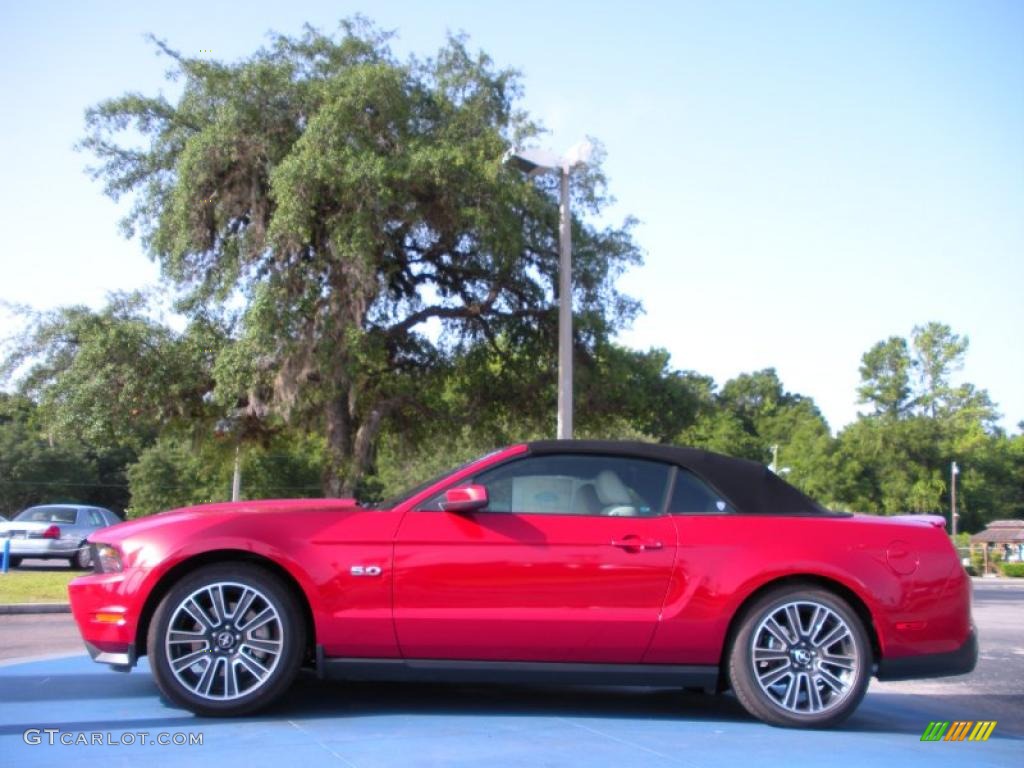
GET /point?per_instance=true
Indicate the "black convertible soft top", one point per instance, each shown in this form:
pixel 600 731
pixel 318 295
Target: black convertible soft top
pixel 750 487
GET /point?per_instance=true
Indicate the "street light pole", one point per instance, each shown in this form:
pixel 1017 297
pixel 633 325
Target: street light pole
pixel 565 312
pixel 236 478
pixel 954 470
pixel 532 162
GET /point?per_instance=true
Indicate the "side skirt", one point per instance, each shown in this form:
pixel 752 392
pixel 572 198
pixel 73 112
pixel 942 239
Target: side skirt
pixel 522 672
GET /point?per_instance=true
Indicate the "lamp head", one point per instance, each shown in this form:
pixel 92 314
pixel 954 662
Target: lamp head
pixel 532 161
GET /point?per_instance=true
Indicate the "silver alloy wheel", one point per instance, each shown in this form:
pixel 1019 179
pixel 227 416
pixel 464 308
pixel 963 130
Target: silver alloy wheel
pixel 83 557
pixel 805 658
pixel 224 641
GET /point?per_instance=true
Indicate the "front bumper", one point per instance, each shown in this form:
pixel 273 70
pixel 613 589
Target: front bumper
pixel 958 662
pixel 120 661
pixel 106 607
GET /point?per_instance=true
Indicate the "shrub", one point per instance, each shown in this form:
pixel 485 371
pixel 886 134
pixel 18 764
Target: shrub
pixel 1013 569
pixel 978 559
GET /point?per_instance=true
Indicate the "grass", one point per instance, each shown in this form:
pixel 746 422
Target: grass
pixel 19 586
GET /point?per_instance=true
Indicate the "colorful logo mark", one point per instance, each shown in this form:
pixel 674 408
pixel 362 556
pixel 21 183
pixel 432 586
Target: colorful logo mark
pixel 958 730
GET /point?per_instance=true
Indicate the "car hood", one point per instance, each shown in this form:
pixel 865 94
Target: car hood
pixel 276 507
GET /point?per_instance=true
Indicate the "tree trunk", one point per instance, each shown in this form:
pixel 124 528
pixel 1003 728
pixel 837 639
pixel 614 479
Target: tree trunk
pixel 366 439
pixel 339 449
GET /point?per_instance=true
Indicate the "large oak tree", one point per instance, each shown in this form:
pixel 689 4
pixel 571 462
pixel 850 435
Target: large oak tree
pixel 355 207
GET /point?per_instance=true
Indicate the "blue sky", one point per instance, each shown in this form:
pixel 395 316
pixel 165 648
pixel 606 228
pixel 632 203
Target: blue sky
pixel 811 177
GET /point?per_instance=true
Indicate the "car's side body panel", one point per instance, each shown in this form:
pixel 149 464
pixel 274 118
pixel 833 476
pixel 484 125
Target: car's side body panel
pixel 316 542
pixel 723 559
pixel 522 587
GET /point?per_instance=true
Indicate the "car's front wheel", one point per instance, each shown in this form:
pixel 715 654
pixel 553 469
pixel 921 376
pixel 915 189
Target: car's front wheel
pixel 226 640
pixel 801 657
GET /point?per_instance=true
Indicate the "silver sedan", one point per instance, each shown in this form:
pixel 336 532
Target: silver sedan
pixel 55 531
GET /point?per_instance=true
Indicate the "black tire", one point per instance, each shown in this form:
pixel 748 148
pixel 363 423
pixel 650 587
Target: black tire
pixel 233 648
pixel 13 562
pixel 799 683
pixel 83 558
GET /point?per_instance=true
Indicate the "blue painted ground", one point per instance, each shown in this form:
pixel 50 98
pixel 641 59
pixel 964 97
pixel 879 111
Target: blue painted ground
pixel 378 726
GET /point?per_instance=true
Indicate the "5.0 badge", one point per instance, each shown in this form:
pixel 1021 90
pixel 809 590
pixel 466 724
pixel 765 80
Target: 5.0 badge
pixel 365 570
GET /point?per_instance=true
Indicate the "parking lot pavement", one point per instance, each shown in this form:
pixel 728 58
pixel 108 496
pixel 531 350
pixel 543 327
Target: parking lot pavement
pixel 391 725
pixel 365 725
pixel 27 635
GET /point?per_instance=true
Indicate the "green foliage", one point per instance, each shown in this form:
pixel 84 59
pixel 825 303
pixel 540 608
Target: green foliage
pixel 350 198
pixel 171 474
pixel 979 558
pixel 885 376
pixel 619 387
pixel 174 472
pixel 938 353
pixel 402 465
pixel 112 378
pixel 37 470
pixel 922 423
pixel 1014 570
pixel 752 413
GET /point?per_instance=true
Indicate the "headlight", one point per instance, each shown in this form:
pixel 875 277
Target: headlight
pixel 107 558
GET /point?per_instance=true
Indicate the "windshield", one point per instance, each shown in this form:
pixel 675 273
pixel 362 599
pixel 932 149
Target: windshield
pixel 394 501
pixel 63 515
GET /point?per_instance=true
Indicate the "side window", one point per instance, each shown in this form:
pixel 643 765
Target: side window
pixel 575 485
pixel 96 518
pixel 692 496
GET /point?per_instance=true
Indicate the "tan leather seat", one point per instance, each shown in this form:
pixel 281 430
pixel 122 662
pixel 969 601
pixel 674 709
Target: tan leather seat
pixel 585 501
pixel 613 495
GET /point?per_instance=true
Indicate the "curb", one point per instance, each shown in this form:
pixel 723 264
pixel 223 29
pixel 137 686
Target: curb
pixel 23 608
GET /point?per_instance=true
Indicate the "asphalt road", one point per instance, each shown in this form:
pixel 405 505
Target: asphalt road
pixel 995 690
pixel 412 725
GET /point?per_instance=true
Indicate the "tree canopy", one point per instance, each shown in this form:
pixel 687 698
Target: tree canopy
pixel 349 199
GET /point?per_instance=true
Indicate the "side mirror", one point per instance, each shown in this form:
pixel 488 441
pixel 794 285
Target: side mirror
pixel 465 498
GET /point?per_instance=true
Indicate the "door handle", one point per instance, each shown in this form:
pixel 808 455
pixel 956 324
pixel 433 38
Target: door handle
pixel 635 543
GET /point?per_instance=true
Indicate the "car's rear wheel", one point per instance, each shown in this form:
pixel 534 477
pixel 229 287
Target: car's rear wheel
pixel 226 640
pixel 13 562
pixel 83 558
pixel 801 658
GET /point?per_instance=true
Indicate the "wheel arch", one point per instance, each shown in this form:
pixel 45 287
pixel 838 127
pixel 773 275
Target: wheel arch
pixel 218 556
pixel 811 579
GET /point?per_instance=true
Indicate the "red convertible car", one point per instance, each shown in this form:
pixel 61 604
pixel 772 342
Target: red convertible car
pixel 557 562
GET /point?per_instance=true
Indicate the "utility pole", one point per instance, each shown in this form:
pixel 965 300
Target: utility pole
pixel 775 459
pixel 954 470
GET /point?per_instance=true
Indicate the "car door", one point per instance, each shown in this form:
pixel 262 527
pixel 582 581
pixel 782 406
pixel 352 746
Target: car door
pixel 569 562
